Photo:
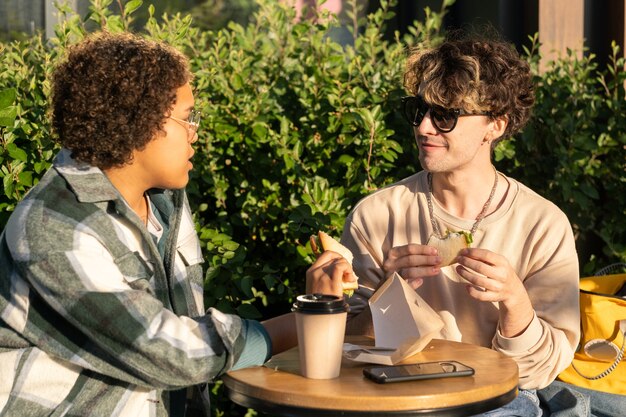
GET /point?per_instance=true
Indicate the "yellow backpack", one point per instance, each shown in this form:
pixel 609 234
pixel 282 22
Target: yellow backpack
pixel 598 362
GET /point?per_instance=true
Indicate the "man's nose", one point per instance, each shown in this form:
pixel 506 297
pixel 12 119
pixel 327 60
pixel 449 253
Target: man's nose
pixel 426 126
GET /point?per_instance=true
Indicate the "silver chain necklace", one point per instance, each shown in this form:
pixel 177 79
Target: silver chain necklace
pixel 480 216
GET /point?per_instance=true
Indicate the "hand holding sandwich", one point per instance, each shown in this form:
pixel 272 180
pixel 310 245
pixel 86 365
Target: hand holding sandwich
pixel 335 262
pixel 329 265
pixel 493 279
pixel 413 262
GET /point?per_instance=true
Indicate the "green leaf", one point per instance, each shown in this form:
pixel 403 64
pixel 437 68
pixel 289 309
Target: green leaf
pixel 8 116
pixel 211 273
pixel 17 153
pixel 181 32
pixel 589 190
pixel 25 178
pixel 7 97
pixel 270 281
pixel 248 311
pixel 246 286
pixel 259 131
pixel 131 6
pixel 237 81
pixel 225 307
pixel 220 291
pixel 116 24
pixel 9 186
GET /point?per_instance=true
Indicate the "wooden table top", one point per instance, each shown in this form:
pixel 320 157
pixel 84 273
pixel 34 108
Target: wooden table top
pixel 279 388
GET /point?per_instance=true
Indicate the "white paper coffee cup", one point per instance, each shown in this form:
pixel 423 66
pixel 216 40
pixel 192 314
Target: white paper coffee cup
pixel 321 326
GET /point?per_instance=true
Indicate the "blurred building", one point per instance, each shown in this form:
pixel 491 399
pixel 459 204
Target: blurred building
pixel 21 16
pixel 30 16
pixel 561 24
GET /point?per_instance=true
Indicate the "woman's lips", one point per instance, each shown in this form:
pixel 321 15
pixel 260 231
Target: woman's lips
pixel 193 152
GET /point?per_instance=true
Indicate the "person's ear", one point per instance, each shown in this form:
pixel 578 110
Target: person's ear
pixel 498 126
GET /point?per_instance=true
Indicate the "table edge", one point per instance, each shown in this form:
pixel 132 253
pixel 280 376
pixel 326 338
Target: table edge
pixel 294 411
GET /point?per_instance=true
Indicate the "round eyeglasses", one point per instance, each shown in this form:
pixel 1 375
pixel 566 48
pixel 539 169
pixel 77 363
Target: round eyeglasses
pixel 414 109
pixel 192 123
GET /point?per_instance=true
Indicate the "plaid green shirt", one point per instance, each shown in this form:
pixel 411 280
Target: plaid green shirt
pixel 92 326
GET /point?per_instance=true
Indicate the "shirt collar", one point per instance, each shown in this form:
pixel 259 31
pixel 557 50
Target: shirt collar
pixel 88 182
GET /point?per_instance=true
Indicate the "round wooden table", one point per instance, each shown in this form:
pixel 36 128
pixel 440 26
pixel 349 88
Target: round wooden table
pixel 279 389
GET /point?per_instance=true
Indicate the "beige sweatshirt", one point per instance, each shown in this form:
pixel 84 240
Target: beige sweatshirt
pixel 531 232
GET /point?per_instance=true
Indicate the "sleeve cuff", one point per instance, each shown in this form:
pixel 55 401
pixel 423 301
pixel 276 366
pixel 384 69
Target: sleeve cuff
pixel 525 341
pixel 258 345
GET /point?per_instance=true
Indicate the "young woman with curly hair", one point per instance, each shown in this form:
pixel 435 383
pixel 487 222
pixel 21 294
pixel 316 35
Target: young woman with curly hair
pixel 515 288
pixel 101 303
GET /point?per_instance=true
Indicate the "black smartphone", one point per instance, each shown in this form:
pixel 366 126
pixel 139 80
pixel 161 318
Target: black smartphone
pixel 425 370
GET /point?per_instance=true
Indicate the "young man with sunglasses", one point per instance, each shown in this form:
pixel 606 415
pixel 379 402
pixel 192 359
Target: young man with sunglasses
pixel 101 281
pixel 515 289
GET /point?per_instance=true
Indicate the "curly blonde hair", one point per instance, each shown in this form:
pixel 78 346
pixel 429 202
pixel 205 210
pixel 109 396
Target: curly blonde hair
pixel 476 75
pixel 111 94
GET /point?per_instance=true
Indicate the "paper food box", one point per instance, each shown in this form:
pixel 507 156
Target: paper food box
pixel 403 325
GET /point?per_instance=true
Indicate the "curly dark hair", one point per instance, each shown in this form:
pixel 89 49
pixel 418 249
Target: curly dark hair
pixel 111 96
pixel 474 74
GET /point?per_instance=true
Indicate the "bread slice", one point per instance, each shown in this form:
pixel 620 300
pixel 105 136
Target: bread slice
pixel 448 247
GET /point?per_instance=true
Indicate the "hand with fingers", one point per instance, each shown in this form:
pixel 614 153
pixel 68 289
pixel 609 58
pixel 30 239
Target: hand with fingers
pixel 327 274
pixel 493 279
pixel 413 262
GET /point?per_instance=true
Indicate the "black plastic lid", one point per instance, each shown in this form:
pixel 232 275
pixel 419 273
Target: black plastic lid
pixel 319 304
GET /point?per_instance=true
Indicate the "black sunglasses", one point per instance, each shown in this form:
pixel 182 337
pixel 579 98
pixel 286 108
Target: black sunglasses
pixel 415 108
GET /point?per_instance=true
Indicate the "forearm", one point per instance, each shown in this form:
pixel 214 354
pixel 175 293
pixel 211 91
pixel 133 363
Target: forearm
pixel 282 331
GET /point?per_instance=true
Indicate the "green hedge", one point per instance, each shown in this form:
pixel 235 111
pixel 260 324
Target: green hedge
pixel 296 129
pixel 574 151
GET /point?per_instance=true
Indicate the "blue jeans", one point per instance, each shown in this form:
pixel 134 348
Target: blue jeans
pixel 526 404
pixel 560 399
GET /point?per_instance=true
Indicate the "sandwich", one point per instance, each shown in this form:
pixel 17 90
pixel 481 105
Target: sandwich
pixel 448 247
pixel 327 242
